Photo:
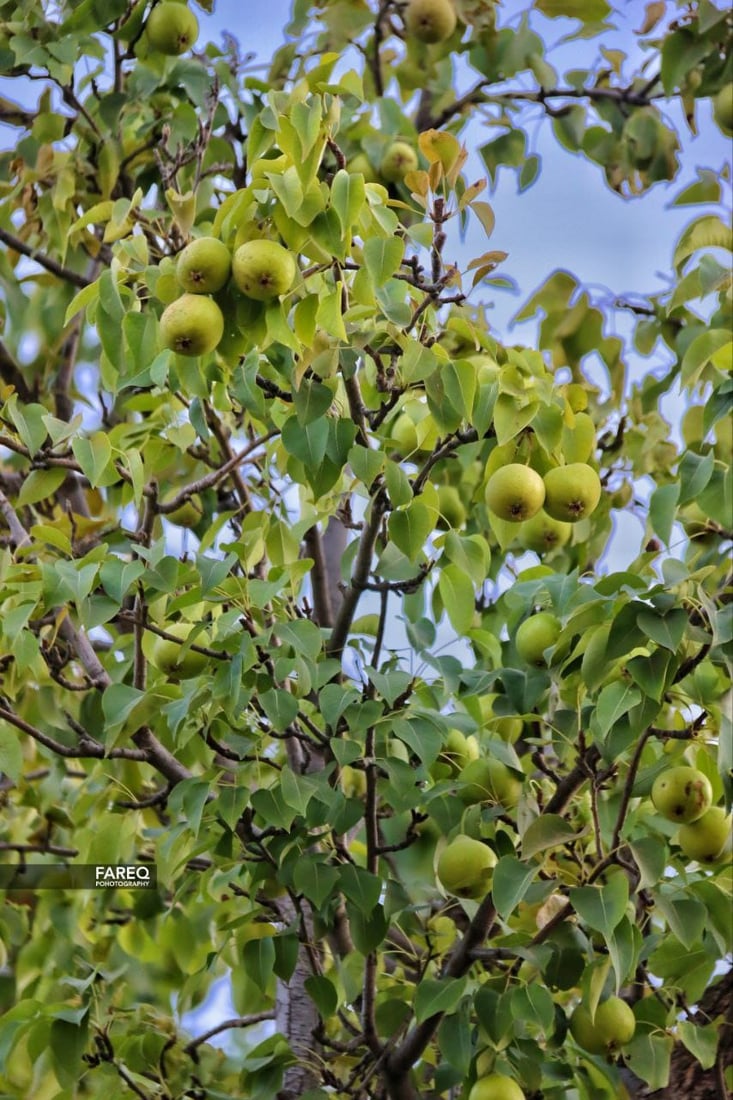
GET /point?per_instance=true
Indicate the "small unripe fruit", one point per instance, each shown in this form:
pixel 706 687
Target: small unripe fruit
pixel 515 492
pixel 705 839
pixel 203 266
pixel 187 514
pixel 263 269
pixel 489 780
pixel 613 1026
pixel 543 534
pixel 399 159
pixel 572 492
pixel 172 28
pixel 497 1086
pixel 430 20
pixel 535 635
pixel 465 867
pixel 682 794
pixel 192 325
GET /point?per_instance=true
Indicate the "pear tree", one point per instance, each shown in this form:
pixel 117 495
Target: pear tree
pixel 312 592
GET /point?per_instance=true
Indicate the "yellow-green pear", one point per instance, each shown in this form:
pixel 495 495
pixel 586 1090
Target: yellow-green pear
pixel 193 324
pixel 682 794
pixel 451 507
pixel 167 655
pixel 544 534
pixel 203 266
pixel 515 492
pixel 465 867
pixel 572 492
pixel 361 163
pixel 430 20
pixel 399 159
pixel 535 635
pixel 263 269
pixel 456 752
pixel 705 839
pixel 172 28
pixel 496 1086
pixel 612 1026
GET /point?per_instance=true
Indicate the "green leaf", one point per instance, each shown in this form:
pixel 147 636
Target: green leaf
pixel 614 701
pixel 601 907
pixel 306 442
pixel 648 1056
pixel 383 256
pixel 589 11
pixel 409 528
pixel 546 831
pixel 459 601
pixel 40 484
pixel 280 707
pixel 360 887
pixel 348 195
pixel 662 510
pixel 510 883
pixel 323 994
pixel 258 957
pixel 666 630
pixel 624 948
pixel 93 453
pixel 11 754
pixel 438 995
pixel 316 879
pixel 701 1041
pixel 29 421
pixel 118 703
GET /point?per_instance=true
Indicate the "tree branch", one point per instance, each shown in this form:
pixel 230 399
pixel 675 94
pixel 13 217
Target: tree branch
pixel 359 578
pixel 55 268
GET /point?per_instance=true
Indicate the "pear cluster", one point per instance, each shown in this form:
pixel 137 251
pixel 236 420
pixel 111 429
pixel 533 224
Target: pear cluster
pixel 516 493
pixel 193 324
pixel 685 795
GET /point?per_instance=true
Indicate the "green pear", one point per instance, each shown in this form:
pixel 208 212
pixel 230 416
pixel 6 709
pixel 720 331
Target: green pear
pixel 489 780
pixel 723 109
pixel 612 1026
pixel 263 269
pixel 192 325
pixel 535 635
pixel 497 1086
pixel 430 20
pixel 457 751
pixel 187 514
pixel 399 159
pixel 166 654
pixel 361 163
pixel 543 534
pixel 572 492
pixel 515 492
pixel 465 867
pixel 452 510
pixel 203 266
pixel 172 28
pixel 705 838
pixel 682 794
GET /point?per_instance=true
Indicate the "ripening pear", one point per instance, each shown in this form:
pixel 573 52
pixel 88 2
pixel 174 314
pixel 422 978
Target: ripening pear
pixel 166 654
pixel 452 510
pixel 535 635
pixel 579 442
pixel 723 109
pixel 572 492
pixel 543 534
pixel 263 269
pixel 457 751
pixel 682 794
pixel 612 1026
pixel 361 163
pixel 497 1086
pixel 515 492
pixel 706 838
pixel 430 20
pixel 172 28
pixel 192 325
pixel 399 159
pixel 465 867
pixel 203 266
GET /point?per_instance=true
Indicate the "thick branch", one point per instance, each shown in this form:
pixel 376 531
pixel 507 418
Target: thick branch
pixel 362 565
